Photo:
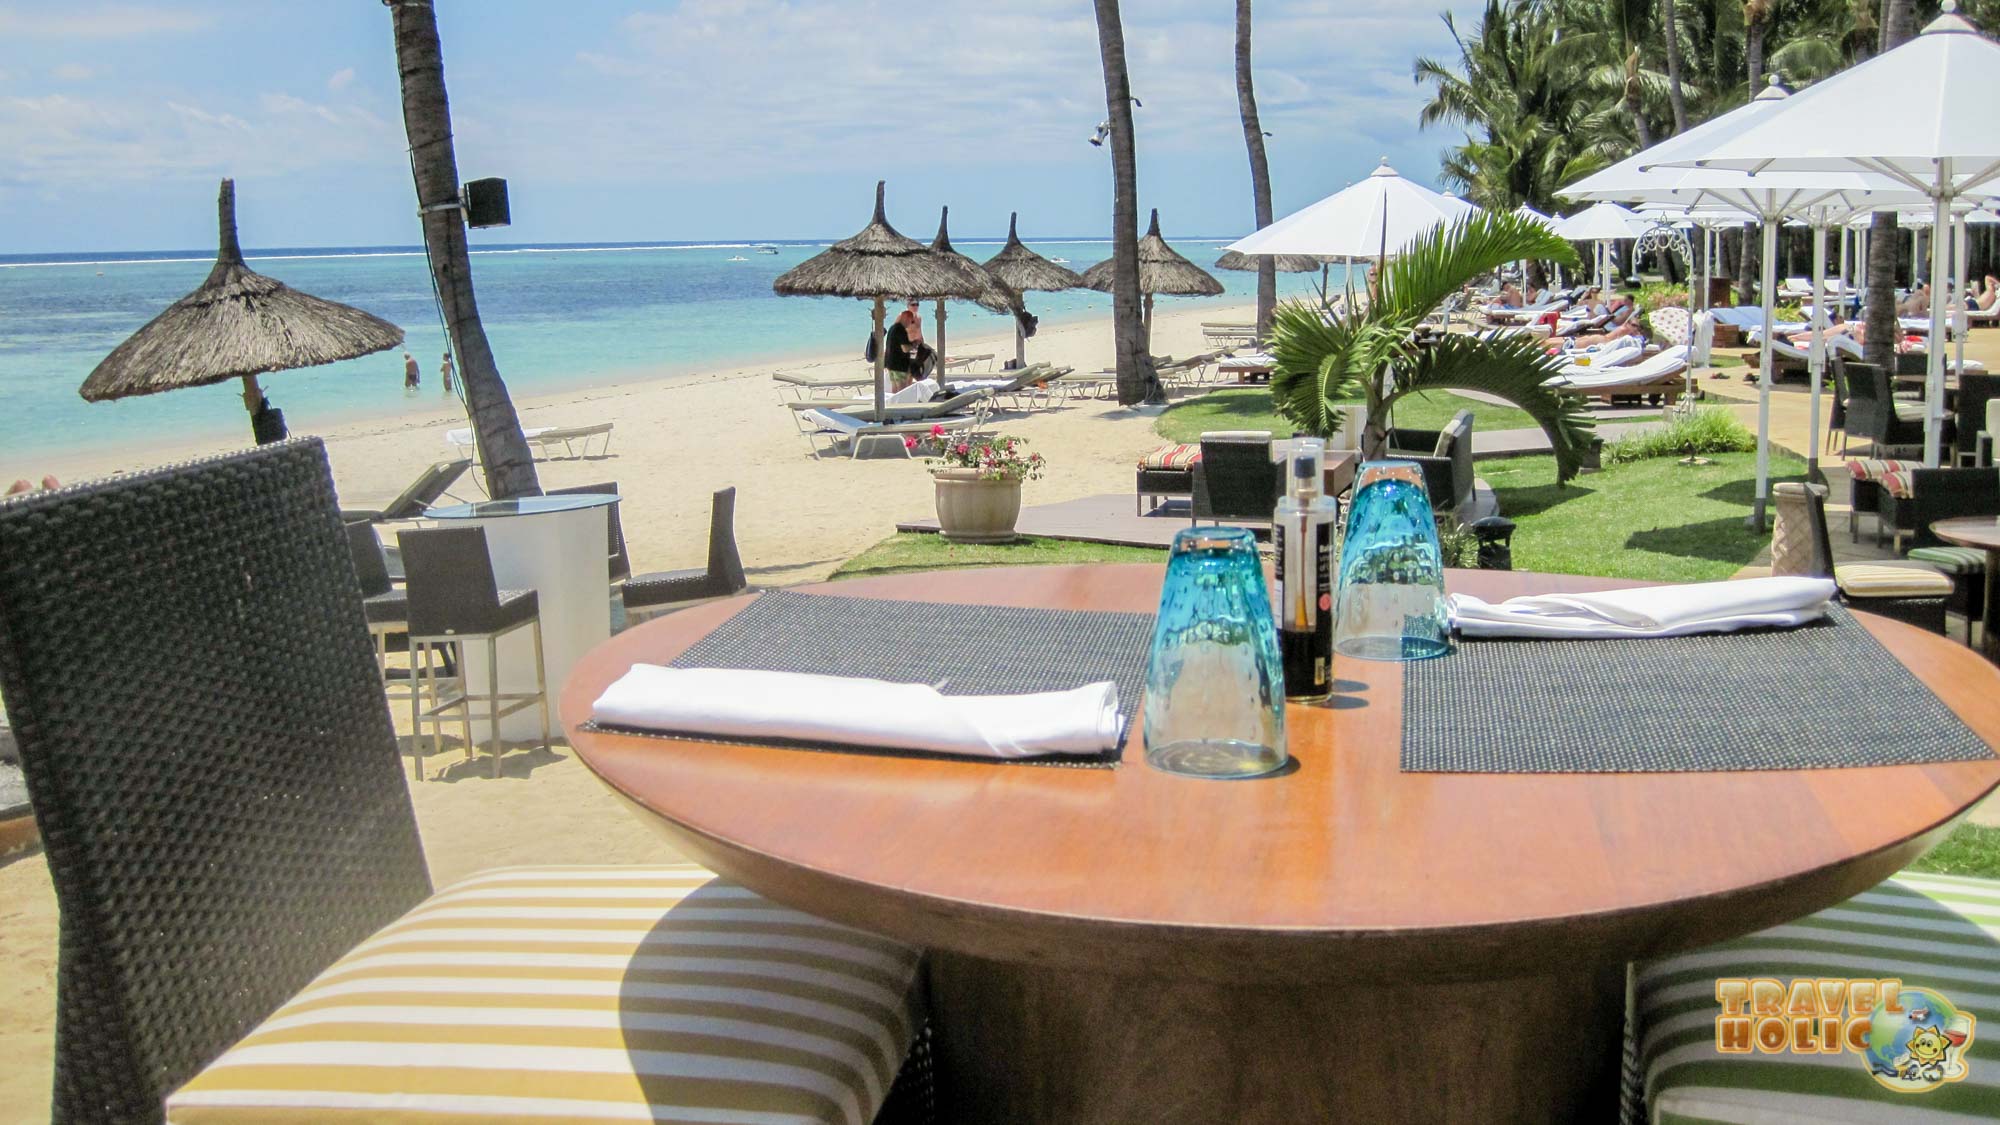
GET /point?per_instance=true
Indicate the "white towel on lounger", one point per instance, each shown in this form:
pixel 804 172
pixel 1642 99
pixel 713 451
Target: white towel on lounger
pixel 1648 611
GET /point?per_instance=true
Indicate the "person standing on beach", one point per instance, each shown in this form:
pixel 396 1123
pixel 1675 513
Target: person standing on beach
pixel 908 355
pixel 413 376
pixel 447 374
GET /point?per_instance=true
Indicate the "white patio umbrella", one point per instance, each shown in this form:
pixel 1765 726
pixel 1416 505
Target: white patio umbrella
pixel 1384 209
pixel 1660 175
pixel 1601 223
pixel 1920 114
pixel 1530 213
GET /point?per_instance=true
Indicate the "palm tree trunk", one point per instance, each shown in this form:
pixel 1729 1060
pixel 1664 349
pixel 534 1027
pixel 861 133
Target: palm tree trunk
pixel 1884 247
pixel 1136 381
pixel 1641 128
pixel 1260 168
pixel 1753 54
pixel 1675 94
pixel 510 467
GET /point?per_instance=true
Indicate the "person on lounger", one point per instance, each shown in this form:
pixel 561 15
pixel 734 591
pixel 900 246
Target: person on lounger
pixel 1918 303
pixel 1623 323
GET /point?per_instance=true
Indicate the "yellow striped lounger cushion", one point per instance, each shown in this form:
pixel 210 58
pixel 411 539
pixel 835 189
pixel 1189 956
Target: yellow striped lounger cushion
pixel 1890 580
pixel 1936 932
pixel 581 993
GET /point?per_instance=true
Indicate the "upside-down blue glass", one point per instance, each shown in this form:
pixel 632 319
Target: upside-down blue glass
pixel 1391 604
pixel 1215 692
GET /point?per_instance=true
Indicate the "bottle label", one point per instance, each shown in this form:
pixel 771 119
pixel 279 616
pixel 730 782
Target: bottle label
pixel 1305 621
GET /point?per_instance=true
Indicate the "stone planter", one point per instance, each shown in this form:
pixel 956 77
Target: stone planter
pixel 972 510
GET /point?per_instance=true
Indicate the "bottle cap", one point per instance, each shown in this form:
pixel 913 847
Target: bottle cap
pixel 1308 458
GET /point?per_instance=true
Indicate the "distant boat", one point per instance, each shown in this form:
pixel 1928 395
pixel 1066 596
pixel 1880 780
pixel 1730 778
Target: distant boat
pixel 767 249
pixel 1060 261
pixel 739 258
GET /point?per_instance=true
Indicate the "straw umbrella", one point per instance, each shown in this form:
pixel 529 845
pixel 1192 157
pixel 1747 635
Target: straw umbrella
pixel 1022 270
pixel 999 297
pixel 236 324
pixel 1161 270
pixel 878 264
pixel 1285 263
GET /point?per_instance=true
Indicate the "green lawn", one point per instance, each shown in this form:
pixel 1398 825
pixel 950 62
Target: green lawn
pixel 1251 410
pixel 912 551
pixel 1656 520
pixel 1971 849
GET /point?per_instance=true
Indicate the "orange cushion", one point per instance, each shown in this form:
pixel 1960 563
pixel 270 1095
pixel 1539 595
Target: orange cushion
pixel 1171 456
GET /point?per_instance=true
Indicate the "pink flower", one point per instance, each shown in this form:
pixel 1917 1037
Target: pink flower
pixel 909 443
pixel 937 431
pixel 962 448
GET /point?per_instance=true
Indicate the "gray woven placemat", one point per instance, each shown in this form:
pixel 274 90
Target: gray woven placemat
pixel 1819 696
pixel 974 649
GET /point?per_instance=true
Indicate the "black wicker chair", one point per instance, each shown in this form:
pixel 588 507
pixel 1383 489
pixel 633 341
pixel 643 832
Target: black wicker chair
pixel 1969 413
pixel 1236 480
pixel 1444 456
pixel 188 670
pixel 1938 494
pixel 1873 414
pixel 722 578
pixel 1925 611
pixel 621 563
pixel 186 662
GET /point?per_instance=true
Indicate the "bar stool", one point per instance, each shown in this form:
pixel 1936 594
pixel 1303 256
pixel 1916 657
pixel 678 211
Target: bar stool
pixel 453 599
pixel 387 608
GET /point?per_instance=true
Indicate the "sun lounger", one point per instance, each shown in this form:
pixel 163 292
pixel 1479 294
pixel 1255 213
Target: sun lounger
pixel 1617 353
pixel 820 386
pixel 1216 333
pixel 543 440
pixel 1664 375
pixel 430 486
pixel 1006 383
pixel 977 403
pixel 833 427
pixel 983 361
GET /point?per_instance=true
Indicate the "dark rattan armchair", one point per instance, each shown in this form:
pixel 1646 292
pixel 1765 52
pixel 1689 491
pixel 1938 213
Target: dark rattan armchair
pixel 1874 414
pixel 721 578
pixel 186 664
pixel 185 659
pixel 1445 456
pixel 1236 480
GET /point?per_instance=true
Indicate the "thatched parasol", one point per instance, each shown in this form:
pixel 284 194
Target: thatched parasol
pixel 237 324
pixel 1025 270
pixel 999 296
pixel 878 264
pixel 1284 263
pixel 1161 270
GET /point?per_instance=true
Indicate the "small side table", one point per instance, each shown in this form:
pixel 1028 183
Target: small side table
pixel 556 546
pixel 1982 532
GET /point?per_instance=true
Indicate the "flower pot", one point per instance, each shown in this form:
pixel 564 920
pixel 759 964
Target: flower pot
pixel 973 510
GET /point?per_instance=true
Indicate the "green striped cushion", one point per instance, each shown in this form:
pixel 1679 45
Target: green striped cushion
pixel 581 993
pixel 1952 560
pixel 1937 931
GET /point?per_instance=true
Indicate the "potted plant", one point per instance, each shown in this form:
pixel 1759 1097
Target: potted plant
pixel 978 482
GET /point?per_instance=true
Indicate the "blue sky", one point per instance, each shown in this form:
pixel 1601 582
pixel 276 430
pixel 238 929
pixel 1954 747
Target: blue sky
pixel 698 119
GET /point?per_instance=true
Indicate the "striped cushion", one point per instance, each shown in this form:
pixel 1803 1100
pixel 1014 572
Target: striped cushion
pixel 570 993
pixel 1870 469
pixel 1171 456
pixel 1890 580
pixel 1952 560
pixel 1908 411
pixel 1897 483
pixel 1940 932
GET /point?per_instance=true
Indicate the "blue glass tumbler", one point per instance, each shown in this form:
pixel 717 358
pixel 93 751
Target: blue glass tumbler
pixel 1391 604
pixel 1215 691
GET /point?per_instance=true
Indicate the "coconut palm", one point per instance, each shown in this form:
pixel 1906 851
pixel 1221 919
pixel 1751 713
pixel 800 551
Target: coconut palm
pixel 1260 168
pixel 510 466
pixel 1323 362
pixel 1670 33
pixel 1136 381
pixel 1898 24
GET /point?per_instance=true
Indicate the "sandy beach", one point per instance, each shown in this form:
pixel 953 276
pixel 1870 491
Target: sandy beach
pixel 676 441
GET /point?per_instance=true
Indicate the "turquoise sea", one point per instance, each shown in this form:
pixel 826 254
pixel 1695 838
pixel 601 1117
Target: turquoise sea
pixel 558 316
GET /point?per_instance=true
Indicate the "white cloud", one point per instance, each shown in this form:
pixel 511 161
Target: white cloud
pixel 340 79
pixel 106 21
pixel 73 72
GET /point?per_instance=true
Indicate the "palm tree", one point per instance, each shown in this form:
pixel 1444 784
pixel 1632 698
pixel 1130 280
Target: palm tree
pixel 1260 168
pixel 1136 381
pixel 1757 16
pixel 1374 355
pixel 1676 93
pixel 1898 22
pixel 510 467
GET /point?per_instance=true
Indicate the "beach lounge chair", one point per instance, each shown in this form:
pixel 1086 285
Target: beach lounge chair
pixel 723 577
pixel 1008 385
pixel 236 858
pixel 430 486
pixel 833 427
pixel 1617 353
pixel 980 362
pixel 794 386
pixel 976 403
pixel 1663 376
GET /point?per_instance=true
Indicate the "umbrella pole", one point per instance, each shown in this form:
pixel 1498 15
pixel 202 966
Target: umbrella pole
pixel 1020 345
pixel 1766 287
pixel 253 395
pixel 881 345
pixel 1934 381
pixel 1149 324
pixel 940 343
pixel 1959 324
pixel 1818 363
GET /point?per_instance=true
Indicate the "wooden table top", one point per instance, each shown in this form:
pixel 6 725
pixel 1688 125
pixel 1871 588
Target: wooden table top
pixel 1343 867
pixel 1969 531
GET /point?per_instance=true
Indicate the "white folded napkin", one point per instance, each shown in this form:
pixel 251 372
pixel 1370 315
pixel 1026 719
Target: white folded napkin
pixel 736 703
pixel 1648 611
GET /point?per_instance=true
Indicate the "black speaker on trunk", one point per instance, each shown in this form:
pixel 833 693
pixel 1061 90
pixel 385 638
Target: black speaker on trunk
pixel 486 203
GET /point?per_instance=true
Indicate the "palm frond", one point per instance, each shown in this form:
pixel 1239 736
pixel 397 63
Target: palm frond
pixel 1315 363
pixel 1436 264
pixel 1513 368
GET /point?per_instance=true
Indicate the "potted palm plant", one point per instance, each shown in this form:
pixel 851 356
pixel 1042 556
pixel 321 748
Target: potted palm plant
pixel 978 482
pixel 1323 364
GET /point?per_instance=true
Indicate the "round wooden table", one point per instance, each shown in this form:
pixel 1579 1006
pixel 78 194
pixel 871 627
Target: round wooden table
pixel 1982 532
pixel 1340 941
